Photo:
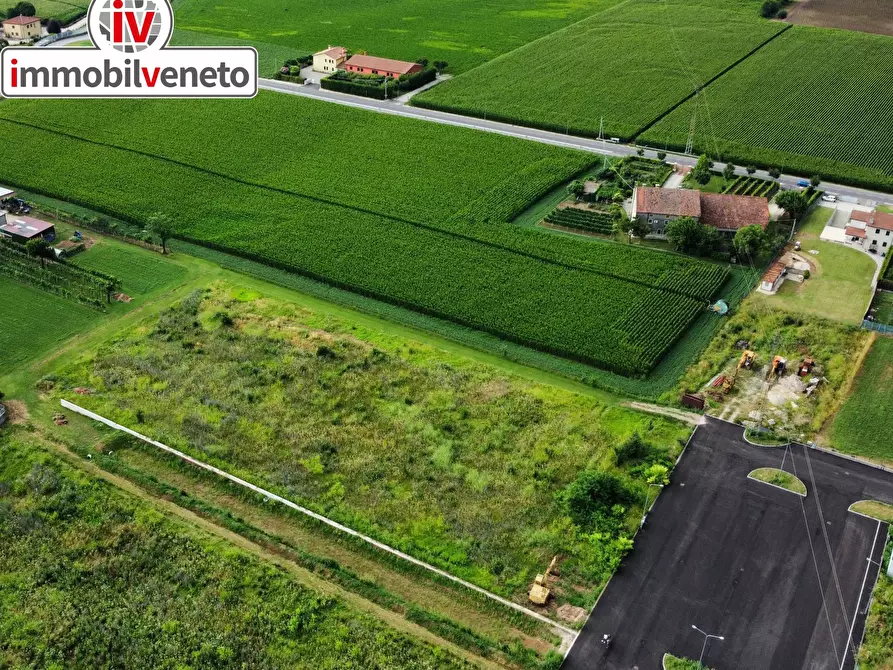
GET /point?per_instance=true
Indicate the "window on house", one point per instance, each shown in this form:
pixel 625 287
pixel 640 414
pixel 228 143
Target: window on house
pixel 374 71
pixel 885 244
pixel 888 233
pixel 878 231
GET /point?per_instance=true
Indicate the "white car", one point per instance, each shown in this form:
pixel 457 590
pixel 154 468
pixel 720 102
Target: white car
pixel 829 198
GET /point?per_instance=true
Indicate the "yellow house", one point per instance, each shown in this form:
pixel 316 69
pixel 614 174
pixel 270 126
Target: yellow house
pixel 21 27
pixel 329 60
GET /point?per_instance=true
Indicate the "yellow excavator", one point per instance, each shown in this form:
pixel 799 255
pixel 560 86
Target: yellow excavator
pixel 540 592
pixel 746 362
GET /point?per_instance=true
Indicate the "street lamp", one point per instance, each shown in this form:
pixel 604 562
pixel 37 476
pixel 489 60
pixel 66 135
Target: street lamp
pixel 707 636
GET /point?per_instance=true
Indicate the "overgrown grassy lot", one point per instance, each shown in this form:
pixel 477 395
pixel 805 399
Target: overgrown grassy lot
pixel 93 578
pixel 863 425
pixel 64 10
pixel 34 321
pixel 432 240
pixel 464 33
pixel 626 65
pixel 451 461
pixel 808 117
pixel 839 286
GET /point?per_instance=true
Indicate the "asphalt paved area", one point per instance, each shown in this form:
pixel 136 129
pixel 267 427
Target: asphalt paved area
pixel 785 579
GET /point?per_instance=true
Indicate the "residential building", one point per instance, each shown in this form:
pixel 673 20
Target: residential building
pixel 24 228
pixel 873 231
pixel 329 60
pixel 21 27
pixel 773 278
pixel 727 213
pixel 373 65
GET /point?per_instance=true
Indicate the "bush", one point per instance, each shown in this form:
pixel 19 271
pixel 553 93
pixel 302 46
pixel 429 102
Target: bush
pixel 806 274
pixel 634 449
pixel 783 14
pixel 593 494
pixel 770 9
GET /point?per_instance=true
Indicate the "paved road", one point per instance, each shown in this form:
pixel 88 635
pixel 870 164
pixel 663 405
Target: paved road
pixel 557 139
pixel 745 560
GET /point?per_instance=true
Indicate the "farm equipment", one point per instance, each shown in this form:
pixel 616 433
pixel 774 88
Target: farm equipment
pixel 747 358
pixel 806 366
pixel 16 206
pixel 779 365
pixel 540 592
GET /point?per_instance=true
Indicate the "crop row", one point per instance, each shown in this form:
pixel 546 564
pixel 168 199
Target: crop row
pixel 752 186
pixel 798 128
pixel 476 275
pixel 582 219
pixel 625 67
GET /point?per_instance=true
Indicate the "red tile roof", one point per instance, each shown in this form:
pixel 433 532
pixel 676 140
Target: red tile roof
pixel 731 212
pixel 774 272
pixel 667 201
pixel 859 215
pixel 852 231
pixel 25 226
pixel 875 219
pixel 382 64
pixel 22 20
pixel 336 53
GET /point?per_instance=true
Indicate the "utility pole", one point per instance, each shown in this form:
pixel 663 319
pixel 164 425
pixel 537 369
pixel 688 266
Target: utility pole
pixel 601 129
pixel 707 636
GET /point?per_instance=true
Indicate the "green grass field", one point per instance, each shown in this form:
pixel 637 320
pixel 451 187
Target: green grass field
pixel 462 32
pixel 449 460
pixel 435 240
pixel 64 10
pixel 840 288
pixel 139 272
pixel 626 65
pixel 862 426
pixel 93 577
pixel 883 302
pixel 775 108
pixel 35 321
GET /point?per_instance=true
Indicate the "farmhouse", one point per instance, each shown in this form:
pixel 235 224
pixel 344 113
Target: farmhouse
pixel 727 213
pixel 329 60
pixel 21 27
pixel 873 231
pixel 386 66
pixel 24 228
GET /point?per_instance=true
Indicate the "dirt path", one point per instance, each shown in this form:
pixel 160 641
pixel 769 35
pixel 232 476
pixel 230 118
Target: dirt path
pixel 678 414
pixel 302 575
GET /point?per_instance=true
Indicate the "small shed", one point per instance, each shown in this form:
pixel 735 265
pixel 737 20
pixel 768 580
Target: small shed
pixel 24 228
pixel 773 278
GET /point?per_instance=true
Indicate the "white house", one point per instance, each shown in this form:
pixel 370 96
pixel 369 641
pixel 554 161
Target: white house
pixel 329 60
pixel 873 231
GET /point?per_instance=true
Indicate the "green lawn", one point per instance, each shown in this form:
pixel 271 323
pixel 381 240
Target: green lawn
pixel 716 184
pixel 626 66
pixel 840 288
pixel 883 301
pixel 748 117
pixel 451 461
pixel 94 578
pixel 863 425
pixel 35 321
pixel 64 10
pixel 465 33
pixel 139 271
pixel 779 478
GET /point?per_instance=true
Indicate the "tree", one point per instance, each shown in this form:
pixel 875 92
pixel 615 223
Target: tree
pixel 770 8
pixel 640 152
pixel 423 62
pixel 701 171
pixel 685 234
pixel 750 241
pixel 639 228
pixel 751 169
pixel 4 44
pixel 728 172
pixel 440 65
pixel 39 248
pixel 815 180
pixel 775 173
pixel 160 225
pixel 593 493
pixel 21 9
pixel 54 27
pixel 792 202
pixel 661 155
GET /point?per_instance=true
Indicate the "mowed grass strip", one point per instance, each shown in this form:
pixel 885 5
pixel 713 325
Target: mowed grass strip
pixel 779 478
pixel 451 461
pixel 863 426
pixel 139 272
pixel 813 101
pixel 626 65
pixel 473 273
pixel 464 33
pixel 34 321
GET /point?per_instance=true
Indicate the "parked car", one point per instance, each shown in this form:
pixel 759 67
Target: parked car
pixel 829 198
pixel 803 183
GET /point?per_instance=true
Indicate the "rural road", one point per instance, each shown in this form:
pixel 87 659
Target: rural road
pixel 544 136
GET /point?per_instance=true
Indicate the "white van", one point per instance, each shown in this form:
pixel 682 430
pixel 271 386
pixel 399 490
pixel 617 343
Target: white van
pixel 829 198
